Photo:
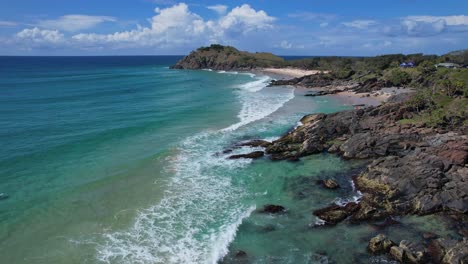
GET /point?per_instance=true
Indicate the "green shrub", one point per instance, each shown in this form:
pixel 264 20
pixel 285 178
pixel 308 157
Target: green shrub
pixel 397 77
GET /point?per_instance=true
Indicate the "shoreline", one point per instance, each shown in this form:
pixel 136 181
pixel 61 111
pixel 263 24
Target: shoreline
pixel 289 72
pixel 362 99
pixel 361 134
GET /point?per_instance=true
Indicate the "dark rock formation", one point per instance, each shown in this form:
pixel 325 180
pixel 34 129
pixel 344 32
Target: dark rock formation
pixel 329 183
pixel 334 214
pixel 415 171
pixel 322 93
pixel 380 244
pixel 273 209
pixel 252 155
pixel 255 143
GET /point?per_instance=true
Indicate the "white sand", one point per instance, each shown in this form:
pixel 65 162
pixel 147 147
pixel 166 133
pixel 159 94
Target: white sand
pixel 291 72
pixel 373 98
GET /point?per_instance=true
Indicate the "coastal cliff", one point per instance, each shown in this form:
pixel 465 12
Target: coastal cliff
pixel 217 57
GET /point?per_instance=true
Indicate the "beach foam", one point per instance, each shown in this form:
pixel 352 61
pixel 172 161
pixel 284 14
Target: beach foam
pixel 256 105
pixel 199 215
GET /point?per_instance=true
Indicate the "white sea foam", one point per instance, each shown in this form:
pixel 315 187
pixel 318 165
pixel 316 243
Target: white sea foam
pixel 199 215
pixel 196 220
pixel 353 199
pixel 257 105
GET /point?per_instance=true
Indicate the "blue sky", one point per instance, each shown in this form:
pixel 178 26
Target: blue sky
pixel 295 27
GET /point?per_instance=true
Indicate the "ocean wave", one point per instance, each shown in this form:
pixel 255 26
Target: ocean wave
pixel 256 105
pixel 198 217
pixel 201 210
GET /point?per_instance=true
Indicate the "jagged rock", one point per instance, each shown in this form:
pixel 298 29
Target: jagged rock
pixel 255 143
pixel 273 209
pixel 334 214
pixel 397 253
pixel 330 184
pixel 457 254
pixel 380 244
pixel 252 155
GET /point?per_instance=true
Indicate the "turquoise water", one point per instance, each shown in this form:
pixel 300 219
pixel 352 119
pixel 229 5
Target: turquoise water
pixel 119 160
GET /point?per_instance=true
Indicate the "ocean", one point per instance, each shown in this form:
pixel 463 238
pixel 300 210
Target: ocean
pixel 122 160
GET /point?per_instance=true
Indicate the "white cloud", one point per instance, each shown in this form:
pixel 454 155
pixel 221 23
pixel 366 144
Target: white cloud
pixel 246 19
pixel 448 20
pixel 73 23
pixel 36 35
pixel 360 24
pixel 220 9
pixel 177 25
pixel 4 23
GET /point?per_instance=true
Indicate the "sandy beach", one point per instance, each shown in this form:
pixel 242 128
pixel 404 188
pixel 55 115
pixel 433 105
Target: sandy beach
pixel 289 72
pixel 374 98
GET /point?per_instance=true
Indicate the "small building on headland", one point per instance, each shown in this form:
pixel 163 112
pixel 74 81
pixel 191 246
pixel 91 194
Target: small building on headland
pixel 407 64
pixel 447 65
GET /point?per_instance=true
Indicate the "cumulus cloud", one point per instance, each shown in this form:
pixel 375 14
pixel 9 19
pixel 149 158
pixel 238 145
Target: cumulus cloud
pixel 220 9
pixel 41 36
pixel 73 23
pixel 178 25
pixel 360 24
pixel 246 19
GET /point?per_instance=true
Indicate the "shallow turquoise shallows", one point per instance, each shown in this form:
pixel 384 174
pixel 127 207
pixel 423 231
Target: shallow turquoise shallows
pixel 122 160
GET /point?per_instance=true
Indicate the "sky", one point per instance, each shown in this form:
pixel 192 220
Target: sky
pixel 172 27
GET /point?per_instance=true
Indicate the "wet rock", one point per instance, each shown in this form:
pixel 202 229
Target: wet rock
pixel 330 184
pixel 255 143
pixel 273 209
pixel 397 253
pixel 457 254
pixel 252 155
pixel 380 244
pixel 4 196
pixel 332 214
pixel 435 251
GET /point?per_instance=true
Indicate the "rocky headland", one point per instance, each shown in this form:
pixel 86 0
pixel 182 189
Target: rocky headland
pixel 416 144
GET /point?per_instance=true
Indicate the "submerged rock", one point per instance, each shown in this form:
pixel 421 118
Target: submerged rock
pixel 4 196
pixel 240 254
pixel 330 184
pixel 252 155
pixel 273 209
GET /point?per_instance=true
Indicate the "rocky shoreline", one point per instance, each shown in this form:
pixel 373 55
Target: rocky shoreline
pixel 413 170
